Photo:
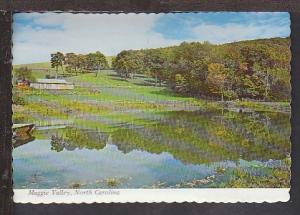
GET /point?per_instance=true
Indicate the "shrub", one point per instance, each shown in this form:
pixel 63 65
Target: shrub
pixel 230 95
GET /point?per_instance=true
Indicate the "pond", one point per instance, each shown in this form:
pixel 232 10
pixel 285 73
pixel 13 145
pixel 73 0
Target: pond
pixel 171 149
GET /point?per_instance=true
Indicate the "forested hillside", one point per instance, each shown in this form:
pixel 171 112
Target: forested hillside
pixel 256 69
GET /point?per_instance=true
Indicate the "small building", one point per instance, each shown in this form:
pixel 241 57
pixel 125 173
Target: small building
pixel 52 84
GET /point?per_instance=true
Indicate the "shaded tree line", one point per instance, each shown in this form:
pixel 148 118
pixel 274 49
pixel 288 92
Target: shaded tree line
pixel 256 69
pixel 79 63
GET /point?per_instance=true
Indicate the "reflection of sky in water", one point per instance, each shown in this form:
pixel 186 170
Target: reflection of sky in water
pixel 36 166
pixel 87 166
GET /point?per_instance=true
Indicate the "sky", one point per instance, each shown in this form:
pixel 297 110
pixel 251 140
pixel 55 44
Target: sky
pixel 37 35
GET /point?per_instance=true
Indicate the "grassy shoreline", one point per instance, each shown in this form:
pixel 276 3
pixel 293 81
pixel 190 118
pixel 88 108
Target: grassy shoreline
pixel 106 93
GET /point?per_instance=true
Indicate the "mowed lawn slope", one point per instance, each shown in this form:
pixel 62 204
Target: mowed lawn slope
pixel 102 101
pixel 141 88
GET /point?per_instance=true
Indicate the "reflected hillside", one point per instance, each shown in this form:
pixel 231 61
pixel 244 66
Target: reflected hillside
pixel 193 137
pixel 70 138
pixel 205 137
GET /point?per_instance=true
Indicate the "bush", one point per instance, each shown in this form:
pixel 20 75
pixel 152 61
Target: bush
pixel 280 91
pixel 230 95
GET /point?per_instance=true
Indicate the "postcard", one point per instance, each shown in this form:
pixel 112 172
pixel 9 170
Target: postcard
pixel 168 107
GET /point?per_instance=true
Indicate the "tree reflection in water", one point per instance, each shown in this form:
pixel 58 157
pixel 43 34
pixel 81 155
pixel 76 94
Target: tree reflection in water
pixel 192 137
pixel 73 138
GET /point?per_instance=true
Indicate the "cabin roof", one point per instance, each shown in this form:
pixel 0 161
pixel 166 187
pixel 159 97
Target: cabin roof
pixel 52 81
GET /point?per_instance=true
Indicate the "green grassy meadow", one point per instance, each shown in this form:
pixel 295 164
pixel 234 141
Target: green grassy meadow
pixel 141 116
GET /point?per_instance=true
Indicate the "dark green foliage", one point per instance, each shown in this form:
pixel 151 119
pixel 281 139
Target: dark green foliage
pixel 95 61
pixel 71 139
pixel 92 62
pixel 57 60
pixel 128 63
pixel 257 69
pixel 72 62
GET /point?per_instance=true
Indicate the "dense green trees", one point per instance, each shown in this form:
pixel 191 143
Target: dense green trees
pixel 257 69
pixel 57 60
pixel 95 62
pixel 71 62
pixel 215 79
pixel 91 62
pixel 128 63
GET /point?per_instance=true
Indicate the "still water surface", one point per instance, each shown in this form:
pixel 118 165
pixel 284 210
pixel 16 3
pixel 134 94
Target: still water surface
pixel 167 149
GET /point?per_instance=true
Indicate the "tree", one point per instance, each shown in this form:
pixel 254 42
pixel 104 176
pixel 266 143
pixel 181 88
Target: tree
pixel 128 63
pixel 57 59
pixel 246 69
pixel 71 60
pixel 180 84
pixel 99 61
pixel 82 62
pixel 123 67
pixel 154 61
pixel 113 62
pixel 191 61
pixel 95 62
pixel 216 79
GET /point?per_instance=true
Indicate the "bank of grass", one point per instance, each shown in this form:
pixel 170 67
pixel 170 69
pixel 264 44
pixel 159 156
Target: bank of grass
pixel 116 99
pixel 261 106
pixel 36 112
pixel 135 88
pixel 107 86
pixel 41 65
pixel 20 115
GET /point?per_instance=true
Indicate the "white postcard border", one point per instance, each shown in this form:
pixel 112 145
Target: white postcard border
pixel 217 195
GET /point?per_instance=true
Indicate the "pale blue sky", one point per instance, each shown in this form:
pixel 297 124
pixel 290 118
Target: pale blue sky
pixel 36 35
